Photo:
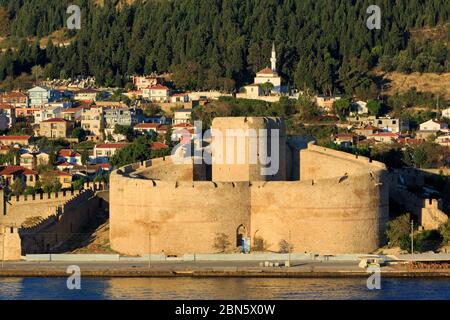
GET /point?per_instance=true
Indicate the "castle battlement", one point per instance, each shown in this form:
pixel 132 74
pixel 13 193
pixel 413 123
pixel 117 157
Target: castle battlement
pixel 42 197
pixel 339 205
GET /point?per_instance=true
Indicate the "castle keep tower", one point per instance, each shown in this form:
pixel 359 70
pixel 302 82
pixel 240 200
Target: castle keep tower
pixel 248 149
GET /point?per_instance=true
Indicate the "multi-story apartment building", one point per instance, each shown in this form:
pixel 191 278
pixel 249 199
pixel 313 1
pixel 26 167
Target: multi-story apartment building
pixel 47 113
pixel 157 93
pixel 55 128
pixel 14 98
pixel 123 116
pixel 93 122
pixel 43 95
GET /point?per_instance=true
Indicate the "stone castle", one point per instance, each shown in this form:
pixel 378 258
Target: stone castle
pixel 319 201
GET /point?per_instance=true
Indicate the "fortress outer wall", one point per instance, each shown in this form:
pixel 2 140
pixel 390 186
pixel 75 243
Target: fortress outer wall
pixel 339 206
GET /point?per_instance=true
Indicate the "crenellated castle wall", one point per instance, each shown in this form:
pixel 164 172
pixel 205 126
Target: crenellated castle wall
pixel 39 224
pixel 341 209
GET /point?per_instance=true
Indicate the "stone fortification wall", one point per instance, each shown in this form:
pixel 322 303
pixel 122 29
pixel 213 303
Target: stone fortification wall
pixel 15 210
pixel 332 211
pixel 322 163
pixel 56 230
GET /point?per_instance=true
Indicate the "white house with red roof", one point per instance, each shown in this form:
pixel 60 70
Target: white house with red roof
pixel 15 98
pixel 179 98
pixel 159 146
pixel 8 174
pixel 147 127
pixel 157 93
pixel 13 140
pixel 344 139
pixel 72 114
pixel 384 137
pixel 69 156
pixel 183 132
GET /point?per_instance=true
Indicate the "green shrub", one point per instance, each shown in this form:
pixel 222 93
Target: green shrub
pixel 444 230
pixel 397 229
pixel 78 184
pixel 29 191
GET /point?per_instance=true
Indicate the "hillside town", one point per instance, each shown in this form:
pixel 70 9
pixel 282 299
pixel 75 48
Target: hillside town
pixel 60 134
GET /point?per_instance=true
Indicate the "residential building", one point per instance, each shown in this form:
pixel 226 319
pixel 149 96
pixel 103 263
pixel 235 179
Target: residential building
pixel 27 160
pixel 42 158
pixel 8 174
pixel 366 130
pixel 26 111
pixel 183 132
pixel 55 128
pixel 157 93
pixel 86 95
pixel 359 107
pixel 434 125
pixel 69 156
pixel 15 98
pixel 146 81
pixel 43 95
pixel 182 116
pixel 147 127
pixel 65 179
pixel 123 117
pixel 33 160
pixel 72 114
pixel 384 137
pixel 104 151
pixel 446 113
pixel 110 104
pixel 344 139
pixel 47 113
pixel 391 125
pixel 325 102
pixel 92 121
pixel 443 140
pixel 158 146
pixel 163 129
pixel 15 140
pixel 179 98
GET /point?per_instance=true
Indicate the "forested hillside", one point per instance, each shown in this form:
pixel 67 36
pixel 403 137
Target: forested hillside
pixel 323 45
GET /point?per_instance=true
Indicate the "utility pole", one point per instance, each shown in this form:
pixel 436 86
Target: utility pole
pixel 412 236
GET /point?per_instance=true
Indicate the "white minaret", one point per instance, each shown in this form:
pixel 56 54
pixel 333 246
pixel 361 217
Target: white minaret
pixel 273 60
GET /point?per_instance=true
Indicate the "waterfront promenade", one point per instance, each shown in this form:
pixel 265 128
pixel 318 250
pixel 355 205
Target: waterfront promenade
pixel 299 268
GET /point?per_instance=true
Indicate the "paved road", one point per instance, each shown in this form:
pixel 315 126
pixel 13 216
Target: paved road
pixel 206 269
pixel 173 267
pixel 177 265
